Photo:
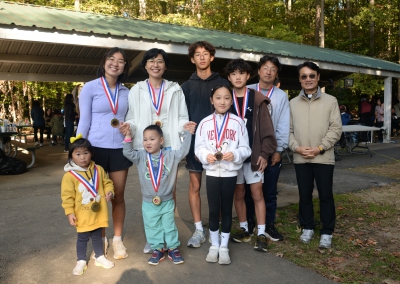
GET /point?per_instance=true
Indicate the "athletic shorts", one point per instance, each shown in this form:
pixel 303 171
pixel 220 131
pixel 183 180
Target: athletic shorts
pixel 245 174
pixel 112 160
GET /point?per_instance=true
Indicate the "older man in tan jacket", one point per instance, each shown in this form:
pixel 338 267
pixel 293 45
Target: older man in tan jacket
pixel 315 127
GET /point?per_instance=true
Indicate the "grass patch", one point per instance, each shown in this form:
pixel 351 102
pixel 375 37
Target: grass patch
pixel 366 242
pixel 390 170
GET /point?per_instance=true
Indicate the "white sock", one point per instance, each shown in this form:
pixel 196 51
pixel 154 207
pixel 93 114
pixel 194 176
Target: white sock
pixel 214 238
pixel 199 226
pixel 117 238
pixel 261 229
pixel 244 225
pixel 224 239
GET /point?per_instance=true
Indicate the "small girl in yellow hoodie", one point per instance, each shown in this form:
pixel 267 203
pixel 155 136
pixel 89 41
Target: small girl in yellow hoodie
pixel 85 188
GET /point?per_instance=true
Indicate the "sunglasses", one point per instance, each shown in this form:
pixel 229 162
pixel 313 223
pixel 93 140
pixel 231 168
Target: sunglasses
pixel 311 76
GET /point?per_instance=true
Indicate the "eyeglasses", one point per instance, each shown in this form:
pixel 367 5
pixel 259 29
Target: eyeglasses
pixel 114 60
pixel 272 69
pixel 311 76
pixel 153 61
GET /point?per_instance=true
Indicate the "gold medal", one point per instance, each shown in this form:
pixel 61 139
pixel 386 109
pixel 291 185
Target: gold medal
pixel 96 207
pixel 157 200
pixel 114 122
pixel 218 156
pixel 158 123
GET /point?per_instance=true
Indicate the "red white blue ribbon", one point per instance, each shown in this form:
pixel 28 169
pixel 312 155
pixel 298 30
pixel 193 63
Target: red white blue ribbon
pixel 155 176
pixel 92 185
pixel 219 132
pixel 270 92
pixel 112 99
pixel 242 113
pixel 156 101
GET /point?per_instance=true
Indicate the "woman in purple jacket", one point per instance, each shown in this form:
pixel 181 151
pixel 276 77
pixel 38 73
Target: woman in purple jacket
pixel 103 104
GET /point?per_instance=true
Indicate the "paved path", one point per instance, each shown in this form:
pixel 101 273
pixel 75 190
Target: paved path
pixel 38 244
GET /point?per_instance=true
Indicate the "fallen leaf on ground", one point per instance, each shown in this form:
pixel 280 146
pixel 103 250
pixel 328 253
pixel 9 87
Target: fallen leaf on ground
pixel 321 250
pixel 371 242
pixel 280 254
pixel 396 253
pixel 340 208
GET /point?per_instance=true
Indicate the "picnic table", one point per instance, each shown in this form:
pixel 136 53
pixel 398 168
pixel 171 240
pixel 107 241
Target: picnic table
pixel 19 131
pixel 358 136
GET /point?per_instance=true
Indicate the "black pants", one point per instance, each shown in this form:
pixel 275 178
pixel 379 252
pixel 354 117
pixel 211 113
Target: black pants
pixel 323 176
pixel 380 132
pixel 220 191
pixel 83 239
pixel 35 131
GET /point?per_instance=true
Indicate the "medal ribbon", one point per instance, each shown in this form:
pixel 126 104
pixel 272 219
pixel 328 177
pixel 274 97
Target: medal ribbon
pixel 219 134
pixel 92 188
pixel 270 92
pixel 155 177
pixel 113 100
pixel 244 106
pixel 157 102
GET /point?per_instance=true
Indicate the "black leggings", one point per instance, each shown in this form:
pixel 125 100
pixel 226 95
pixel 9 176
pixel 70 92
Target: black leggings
pixel 220 191
pixel 83 239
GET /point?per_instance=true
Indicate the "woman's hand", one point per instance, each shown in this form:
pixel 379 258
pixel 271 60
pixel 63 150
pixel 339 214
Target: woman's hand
pixel 125 129
pixel 211 159
pixel 72 219
pixel 190 126
pixel 228 156
pixel 109 196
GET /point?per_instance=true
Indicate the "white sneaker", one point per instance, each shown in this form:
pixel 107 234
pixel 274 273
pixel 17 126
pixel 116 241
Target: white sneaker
pixel 224 255
pixel 212 255
pixel 306 236
pixel 41 144
pixel 103 262
pixel 80 267
pixel 325 241
pixel 36 143
pixel 105 249
pixel 119 250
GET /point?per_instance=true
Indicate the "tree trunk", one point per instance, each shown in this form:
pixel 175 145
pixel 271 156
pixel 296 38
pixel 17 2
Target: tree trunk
pixel 322 32
pixel 77 5
pixel 372 29
pixel 142 8
pixel 317 22
pixel 349 25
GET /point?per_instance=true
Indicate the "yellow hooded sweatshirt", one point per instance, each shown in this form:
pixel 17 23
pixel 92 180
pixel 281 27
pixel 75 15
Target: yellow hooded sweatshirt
pixel 76 199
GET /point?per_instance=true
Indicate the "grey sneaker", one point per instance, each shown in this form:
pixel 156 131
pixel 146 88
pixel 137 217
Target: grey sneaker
pixel 325 241
pixel 306 236
pixel 147 248
pixel 212 255
pixel 224 255
pixel 197 239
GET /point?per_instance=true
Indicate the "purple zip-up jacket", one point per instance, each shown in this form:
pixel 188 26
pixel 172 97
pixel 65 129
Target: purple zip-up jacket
pixel 96 115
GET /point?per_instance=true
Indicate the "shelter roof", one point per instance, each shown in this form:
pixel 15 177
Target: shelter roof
pixel 38 42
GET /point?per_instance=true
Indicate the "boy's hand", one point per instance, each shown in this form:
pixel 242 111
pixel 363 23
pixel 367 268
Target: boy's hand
pixel 262 164
pixel 211 159
pixel 72 219
pixel 109 196
pixel 190 126
pixel 125 129
pixel 228 156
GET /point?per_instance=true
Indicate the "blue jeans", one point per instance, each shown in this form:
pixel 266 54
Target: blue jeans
pixel 83 239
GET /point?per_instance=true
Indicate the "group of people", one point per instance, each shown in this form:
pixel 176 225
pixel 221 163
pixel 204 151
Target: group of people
pixel 55 123
pixel 236 134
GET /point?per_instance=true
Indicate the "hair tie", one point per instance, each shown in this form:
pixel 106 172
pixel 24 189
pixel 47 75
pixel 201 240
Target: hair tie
pixel 73 139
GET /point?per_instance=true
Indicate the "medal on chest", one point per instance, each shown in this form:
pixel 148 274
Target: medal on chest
pixel 112 99
pixel 155 176
pixel 219 135
pixel 241 113
pixel 156 100
pixel 92 186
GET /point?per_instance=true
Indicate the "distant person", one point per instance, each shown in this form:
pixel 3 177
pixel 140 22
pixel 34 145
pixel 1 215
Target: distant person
pixel 69 119
pixel 57 127
pixel 37 116
pixel 379 117
pixel 397 108
pixel 47 117
pixel 85 189
pixel 158 169
pixel 346 117
pixel 395 126
pixel 315 127
pixel 197 92
pixel 366 112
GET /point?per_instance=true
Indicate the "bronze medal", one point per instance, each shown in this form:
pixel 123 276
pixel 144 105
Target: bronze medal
pixel 218 156
pixel 157 200
pixel 114 122
pixel 96 207
pixel 158 123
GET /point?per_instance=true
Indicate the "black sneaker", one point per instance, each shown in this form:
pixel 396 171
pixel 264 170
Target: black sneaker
pixel 272 233
pixel 261 243
pixel 242 237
